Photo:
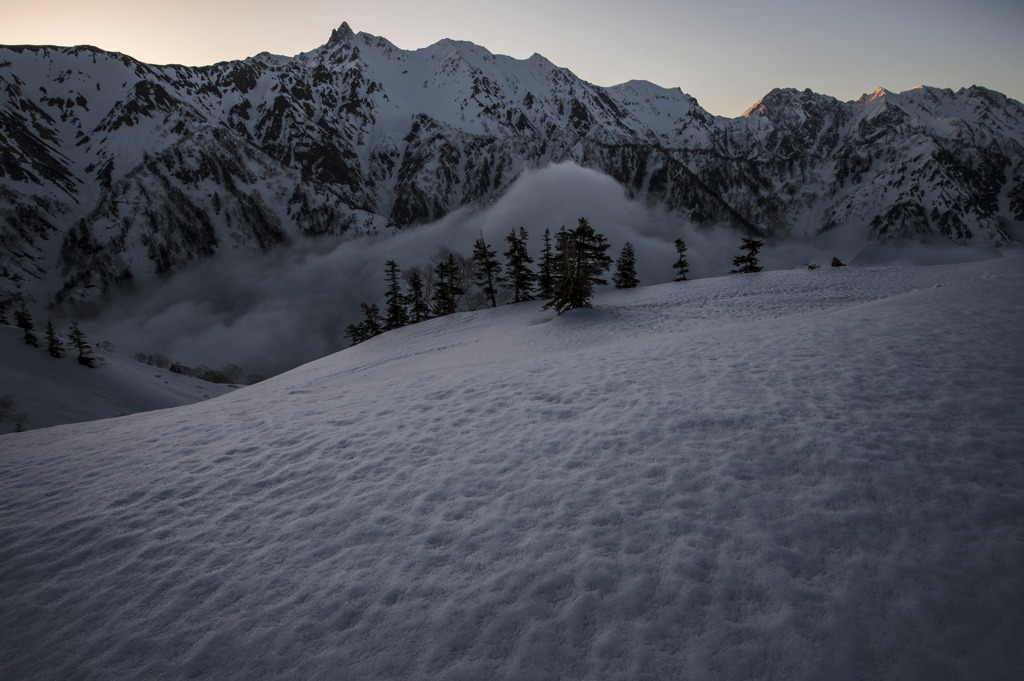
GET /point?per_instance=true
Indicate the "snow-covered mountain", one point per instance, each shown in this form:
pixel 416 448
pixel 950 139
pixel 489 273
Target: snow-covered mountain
pixel 112 170
pixel 785 475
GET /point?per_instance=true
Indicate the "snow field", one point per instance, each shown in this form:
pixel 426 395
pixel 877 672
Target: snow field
pixel 788 475
pixel 51 392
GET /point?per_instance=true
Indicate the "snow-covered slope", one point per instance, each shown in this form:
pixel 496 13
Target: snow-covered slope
pixel 800 475
pixel 50 392
pixel 113 171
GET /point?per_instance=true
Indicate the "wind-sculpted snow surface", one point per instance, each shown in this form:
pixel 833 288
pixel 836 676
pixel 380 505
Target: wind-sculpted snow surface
pixel 796 475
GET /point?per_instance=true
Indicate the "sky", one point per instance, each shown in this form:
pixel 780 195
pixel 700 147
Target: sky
pixel 727 54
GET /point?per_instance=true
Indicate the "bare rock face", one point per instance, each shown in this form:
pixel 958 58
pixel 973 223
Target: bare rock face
pixel 112 170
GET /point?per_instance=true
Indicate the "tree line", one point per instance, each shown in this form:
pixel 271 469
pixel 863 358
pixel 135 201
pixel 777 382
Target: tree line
pixel 76 340
pixel 572 263
pixel 229 373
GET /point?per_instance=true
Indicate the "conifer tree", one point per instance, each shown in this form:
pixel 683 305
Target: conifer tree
pixel 681 266
pixel 3 317
pixel 836 262
pixel 625 268
pixel 546 277
pixel 396 315
pixel 520 279
pixel 747 264
pixel 486 269
pixel 23 320
pixel 447 288
pixel 77 339
pixel 53 343
pixel 561 254
pixel 419 308
pixel 584 261
pixel 372 325
pixel 356 332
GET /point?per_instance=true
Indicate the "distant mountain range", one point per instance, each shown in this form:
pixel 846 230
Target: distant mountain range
pixel 112 170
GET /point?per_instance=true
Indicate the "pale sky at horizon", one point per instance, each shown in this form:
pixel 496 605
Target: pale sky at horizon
pixel 727 54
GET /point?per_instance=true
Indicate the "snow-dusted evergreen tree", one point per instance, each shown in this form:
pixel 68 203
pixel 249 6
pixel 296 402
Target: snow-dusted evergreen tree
pixel 681 266
pixel 546 276
pixel 625 268
pixel 419 308
pixel 23 320
pixel 519 278
pixel 53 343
pixel 77 339
pixel 747 264
pixel 447 286
pixel 584 261
pixel 486 269
pixel 395 312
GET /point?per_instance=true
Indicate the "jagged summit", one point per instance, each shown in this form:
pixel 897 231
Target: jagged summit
pixel 341 34
pixel 878 93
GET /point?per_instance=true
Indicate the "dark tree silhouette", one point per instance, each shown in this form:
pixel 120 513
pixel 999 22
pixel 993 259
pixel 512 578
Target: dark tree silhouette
pixel 447 286
pixel 365 330
pixel 625 268
pixel 584 261
pixel 395 313
pixel 53 343
pixel 519 278
pixel 23 320
pixel 836 262
pixel 486 269
pixel 77 339
pixel 546 277
pixel 682 267
pixel 747 264
pixel 419 308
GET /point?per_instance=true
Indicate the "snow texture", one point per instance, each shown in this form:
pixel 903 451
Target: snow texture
pixel 799 475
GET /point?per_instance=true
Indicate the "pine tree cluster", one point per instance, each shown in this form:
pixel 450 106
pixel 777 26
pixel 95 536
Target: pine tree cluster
pixel 570 267
pixel 54 345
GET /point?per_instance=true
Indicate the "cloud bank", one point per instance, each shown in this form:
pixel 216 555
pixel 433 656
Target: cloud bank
pixel 270 312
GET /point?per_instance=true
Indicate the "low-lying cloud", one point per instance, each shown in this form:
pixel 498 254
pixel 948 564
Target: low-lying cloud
pixel 269 312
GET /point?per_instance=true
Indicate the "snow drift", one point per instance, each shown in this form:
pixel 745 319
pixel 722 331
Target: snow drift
pixel 804 474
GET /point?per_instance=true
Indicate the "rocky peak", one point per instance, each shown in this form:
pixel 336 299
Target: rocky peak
pixel 340 35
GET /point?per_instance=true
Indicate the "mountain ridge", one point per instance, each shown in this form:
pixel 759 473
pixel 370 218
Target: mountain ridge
pixel 112 170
